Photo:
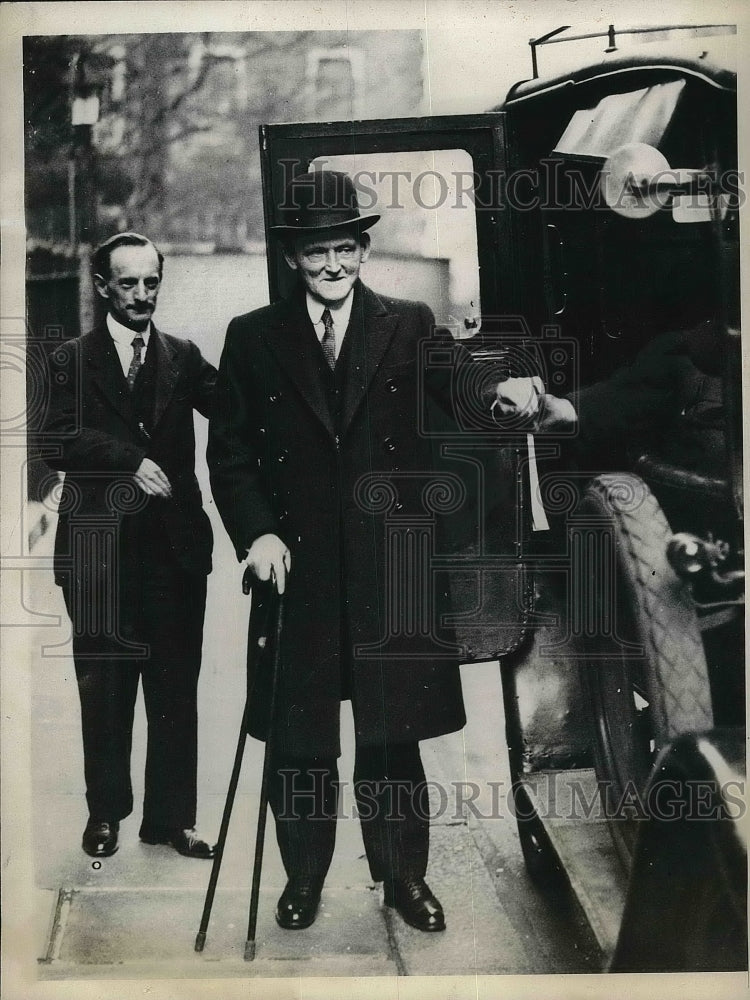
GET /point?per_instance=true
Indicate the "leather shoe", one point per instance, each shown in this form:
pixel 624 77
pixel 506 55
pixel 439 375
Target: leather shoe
pixel 416 904
pixel 185 842
pixel 298 904
pixel 100 838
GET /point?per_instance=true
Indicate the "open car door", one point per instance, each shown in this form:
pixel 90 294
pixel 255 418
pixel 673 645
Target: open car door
pixel 444 238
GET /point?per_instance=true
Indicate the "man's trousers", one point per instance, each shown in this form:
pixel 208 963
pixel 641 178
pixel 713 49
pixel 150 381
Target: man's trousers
pixel 162 607
pixel 392 804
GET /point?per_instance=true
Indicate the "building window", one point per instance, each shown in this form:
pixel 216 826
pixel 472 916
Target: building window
pixel 335 81
pixel 228 81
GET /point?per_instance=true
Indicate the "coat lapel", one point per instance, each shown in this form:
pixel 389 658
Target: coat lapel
pixel 167 373
pixel 292 340
pixel 107 373
pixel 371 328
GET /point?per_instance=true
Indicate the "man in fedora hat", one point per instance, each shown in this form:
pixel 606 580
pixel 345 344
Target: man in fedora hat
pixel 317 397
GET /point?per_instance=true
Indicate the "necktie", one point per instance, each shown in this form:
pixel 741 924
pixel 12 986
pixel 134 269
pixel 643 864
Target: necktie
pixel 328 343
pixel 135 365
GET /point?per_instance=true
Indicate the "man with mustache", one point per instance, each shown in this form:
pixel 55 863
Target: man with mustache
pixel 133 547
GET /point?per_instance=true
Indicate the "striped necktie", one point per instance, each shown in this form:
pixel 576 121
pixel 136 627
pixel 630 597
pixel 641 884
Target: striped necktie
pixel 328 343
pixel 135 365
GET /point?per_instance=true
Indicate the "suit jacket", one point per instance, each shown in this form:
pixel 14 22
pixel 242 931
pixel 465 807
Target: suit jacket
pixel 101 445
pixel 327 468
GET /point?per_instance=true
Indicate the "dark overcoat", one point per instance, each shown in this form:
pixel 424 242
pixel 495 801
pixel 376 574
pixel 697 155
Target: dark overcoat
pixel 99 445
pixel 336 471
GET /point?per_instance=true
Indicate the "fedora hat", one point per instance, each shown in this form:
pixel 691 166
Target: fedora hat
pixel 321 199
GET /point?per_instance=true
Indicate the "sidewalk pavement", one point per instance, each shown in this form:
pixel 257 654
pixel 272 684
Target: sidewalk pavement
pixel 135 915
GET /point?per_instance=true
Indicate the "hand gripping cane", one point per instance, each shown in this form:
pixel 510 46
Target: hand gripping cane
pixel 262 643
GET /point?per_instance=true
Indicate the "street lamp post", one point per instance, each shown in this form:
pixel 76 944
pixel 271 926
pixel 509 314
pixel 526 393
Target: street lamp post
pixel 84 114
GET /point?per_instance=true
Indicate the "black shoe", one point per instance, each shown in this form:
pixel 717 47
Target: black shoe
pixel 298 904
pixel 100 838
pixel 185 842
pixel 416 904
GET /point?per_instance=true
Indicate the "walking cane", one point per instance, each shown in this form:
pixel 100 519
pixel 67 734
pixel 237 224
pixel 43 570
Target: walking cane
pixel 200 939
pixel 262 809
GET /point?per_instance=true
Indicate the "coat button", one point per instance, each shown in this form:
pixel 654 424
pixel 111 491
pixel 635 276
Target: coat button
pixel 282 456
pixel 389 444
pixel 274 397
pixel 391 385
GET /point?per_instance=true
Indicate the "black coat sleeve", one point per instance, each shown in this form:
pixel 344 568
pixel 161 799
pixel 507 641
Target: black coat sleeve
pixel 439 380
pixel 82 448
pixel 637 401
pixel 233 452
pixel 445 383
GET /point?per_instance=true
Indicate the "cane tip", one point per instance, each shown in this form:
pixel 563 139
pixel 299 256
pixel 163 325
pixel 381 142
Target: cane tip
pixel 200 940
pixel 249 950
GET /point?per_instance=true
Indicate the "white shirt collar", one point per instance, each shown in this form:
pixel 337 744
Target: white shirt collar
pixel 123 335
pixel 340 314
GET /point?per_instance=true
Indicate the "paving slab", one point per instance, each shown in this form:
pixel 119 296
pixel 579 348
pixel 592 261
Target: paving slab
pixel 290 974
pixel 158 928
pixel 479 937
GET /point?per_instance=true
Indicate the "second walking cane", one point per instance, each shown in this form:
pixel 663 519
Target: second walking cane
pixel 272 631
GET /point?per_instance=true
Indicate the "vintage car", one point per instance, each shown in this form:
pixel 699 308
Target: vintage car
pixel 640 243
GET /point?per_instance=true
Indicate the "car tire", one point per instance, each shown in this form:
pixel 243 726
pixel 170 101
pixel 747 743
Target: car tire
pixel 646 681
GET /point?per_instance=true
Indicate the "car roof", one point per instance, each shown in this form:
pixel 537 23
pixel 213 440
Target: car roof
pixel 707 52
